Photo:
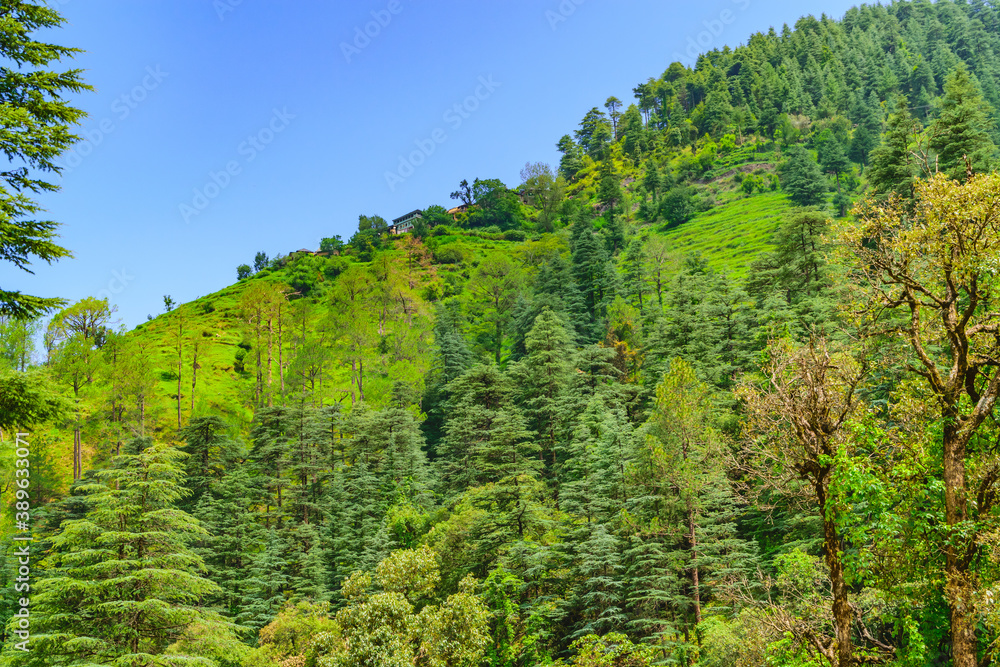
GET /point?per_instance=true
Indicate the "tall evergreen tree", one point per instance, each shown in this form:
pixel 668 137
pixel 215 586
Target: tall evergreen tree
pixel 802 179
pixel 963 128
pixel 124 582
pixel 211 452
pixel 543 380
pixel 37 129
pixel 893 165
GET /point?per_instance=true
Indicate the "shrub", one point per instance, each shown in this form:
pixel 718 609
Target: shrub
pixel 678 205
pixel 449 255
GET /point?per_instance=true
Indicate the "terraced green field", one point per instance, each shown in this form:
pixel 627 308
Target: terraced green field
pixel 732 234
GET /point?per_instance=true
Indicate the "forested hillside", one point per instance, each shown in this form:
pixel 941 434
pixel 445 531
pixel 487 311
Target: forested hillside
pixel 717 389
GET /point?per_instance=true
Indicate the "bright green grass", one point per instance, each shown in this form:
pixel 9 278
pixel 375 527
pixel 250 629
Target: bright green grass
pixel 734 233
pixel 214 322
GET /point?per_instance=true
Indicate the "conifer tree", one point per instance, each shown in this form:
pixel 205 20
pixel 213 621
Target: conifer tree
pixel 832 157
pixel 593 479
pixel 893 165
pixel 601 593
pixel 266 584
pixel 590 271
pixel 963 128
pixel 635 270
pixel 211 452
pixel 355 511
pixel 683 442
pixel 228 511
pixel 270 436
pixel 543 380
pixel 38 125
pixel 477 396
pixel 452 357
pixel 123 582
pixel 802 179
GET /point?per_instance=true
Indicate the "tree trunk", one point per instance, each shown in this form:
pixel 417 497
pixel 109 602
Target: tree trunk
pixel 281 367
pixel 180 350
pixel 959 590
pixel 77 463
pixel 695 583
pixel 499 341
pixel 194 373
pixel 361 379
pixel 831 553
pixel 270 379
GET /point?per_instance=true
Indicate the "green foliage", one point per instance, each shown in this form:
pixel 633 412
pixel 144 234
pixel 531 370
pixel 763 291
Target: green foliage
pixel 611 650
pixel 26 399
pixel 678 205
pixel 589 471
pixel 493 204
pixel 332 245
pixel 388 620
pixel 962 130
pixel 893 166
pixel 801 179
pixel 123 582
pixel 38 122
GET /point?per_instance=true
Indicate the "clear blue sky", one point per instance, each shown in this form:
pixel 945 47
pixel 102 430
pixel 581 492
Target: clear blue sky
pixel 300 130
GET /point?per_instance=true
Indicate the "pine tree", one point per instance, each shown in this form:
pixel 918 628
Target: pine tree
pixel 802 179
pixel 600 595
pixel 124 582
pixel 508 460
pixel 893 165
pixel 832 157
pixel 792 285
pixel 589 260
pixel 962 130
pixel 572 157
pixel 452 357
pixel 554 289
pixel 635 270
pixel 310 576
pixel 270 435
pixel 593 478
pixel 476 397
pixel 696 499
pixel 402 468
pixel 37 129
pixel 304 457
pixel 229 514
pixel 210 453
pixel 543 380
pixel 267 583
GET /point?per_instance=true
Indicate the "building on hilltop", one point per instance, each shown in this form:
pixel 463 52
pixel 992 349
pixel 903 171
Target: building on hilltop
pixel 405 223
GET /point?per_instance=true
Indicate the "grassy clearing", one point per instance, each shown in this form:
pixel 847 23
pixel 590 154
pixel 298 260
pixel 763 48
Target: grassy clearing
pixel 732 234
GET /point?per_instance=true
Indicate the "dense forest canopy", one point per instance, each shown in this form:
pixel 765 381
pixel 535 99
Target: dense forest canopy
pixel 717 389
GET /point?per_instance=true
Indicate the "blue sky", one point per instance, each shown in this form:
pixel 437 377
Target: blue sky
pixel 219 128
